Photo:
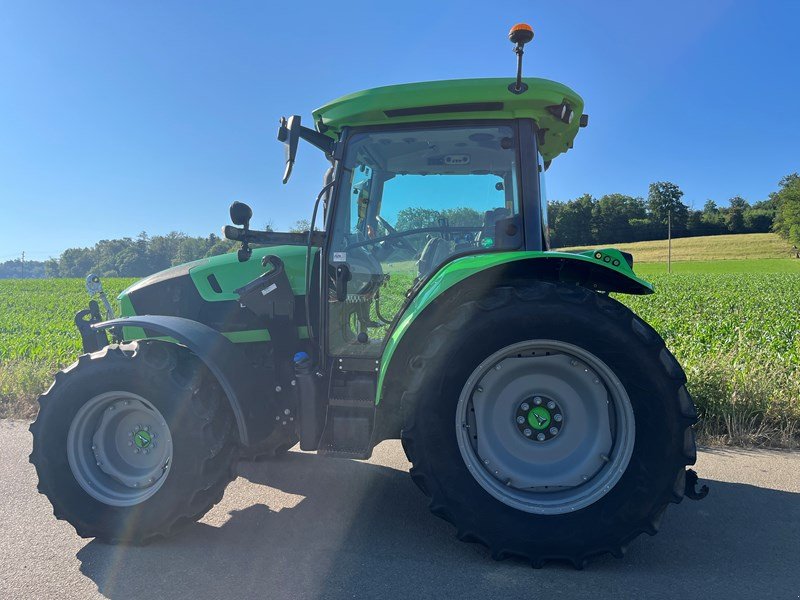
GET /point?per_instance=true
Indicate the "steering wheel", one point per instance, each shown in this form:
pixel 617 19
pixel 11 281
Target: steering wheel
pixel 401 241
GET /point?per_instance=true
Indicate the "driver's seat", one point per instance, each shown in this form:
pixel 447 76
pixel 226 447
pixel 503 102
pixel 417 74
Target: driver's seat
pixel 433 254
pixel 490 218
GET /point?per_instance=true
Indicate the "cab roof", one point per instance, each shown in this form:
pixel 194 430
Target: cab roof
pixel 459 99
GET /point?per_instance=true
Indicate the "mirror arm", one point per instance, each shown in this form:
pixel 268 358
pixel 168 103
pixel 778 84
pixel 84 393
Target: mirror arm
pixel 317 139
pixel 272 238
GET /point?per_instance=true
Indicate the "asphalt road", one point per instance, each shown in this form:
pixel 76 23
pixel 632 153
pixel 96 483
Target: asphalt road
pixel 311 527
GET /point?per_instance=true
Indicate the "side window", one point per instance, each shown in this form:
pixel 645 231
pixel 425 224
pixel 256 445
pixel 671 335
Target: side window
pixel 418 201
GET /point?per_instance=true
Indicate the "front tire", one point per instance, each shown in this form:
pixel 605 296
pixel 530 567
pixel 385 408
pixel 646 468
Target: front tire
pixel 552 517
pixel 133 442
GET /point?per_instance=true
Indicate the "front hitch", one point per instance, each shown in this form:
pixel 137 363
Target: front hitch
pixel 91 339
pixel 94 339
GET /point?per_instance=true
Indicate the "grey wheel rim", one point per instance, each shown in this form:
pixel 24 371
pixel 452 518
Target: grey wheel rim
pixel 119 448
pixel 545 427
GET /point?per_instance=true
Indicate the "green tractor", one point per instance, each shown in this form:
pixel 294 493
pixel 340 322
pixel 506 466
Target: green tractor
pixel 541 417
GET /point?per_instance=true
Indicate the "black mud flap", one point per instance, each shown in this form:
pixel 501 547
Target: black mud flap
pixel 252 398
pixel 691 490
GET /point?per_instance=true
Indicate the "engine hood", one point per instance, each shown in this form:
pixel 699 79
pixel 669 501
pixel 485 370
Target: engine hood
pixel 204 290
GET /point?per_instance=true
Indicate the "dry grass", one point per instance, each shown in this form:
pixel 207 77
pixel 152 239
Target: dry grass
pixel 714 247
pixel 21 382
pixel 750 405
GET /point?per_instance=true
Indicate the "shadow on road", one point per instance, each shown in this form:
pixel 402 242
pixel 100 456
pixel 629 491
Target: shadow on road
pixel 359 530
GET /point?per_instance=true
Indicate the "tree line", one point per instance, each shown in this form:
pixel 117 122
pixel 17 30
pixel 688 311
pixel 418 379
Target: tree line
pixel 619 218
pixel 126 257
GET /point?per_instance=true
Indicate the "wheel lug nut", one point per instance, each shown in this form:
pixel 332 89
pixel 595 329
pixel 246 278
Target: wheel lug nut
pixel 527 433
pixel 537 401
pixel 557 417
pixel 553 430
pixel 520 420
pixel 130 443
pixel 551 405
pixel 540 437
pixel 525 406
pixel 137 451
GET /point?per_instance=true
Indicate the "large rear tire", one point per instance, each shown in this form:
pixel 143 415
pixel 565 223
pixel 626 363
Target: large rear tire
pixel 134 442
pixel 482 374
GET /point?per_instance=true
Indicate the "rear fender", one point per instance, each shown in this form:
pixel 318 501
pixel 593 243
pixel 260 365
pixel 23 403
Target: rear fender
pixel 603 270
pixel 247 393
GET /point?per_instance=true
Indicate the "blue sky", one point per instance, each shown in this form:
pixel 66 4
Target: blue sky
pixel 118 117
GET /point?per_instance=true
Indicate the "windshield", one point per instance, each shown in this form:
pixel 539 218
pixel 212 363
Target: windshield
pixel 408 200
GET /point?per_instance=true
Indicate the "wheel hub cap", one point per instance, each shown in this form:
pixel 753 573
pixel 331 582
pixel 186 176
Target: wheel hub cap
pixel 143 439
pixel 539 418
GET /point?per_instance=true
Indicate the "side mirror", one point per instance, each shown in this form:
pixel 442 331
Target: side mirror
pixel 241 214
pixel 289 134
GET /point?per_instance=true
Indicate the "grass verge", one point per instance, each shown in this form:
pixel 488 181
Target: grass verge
pixel 754 404
pixel 21 382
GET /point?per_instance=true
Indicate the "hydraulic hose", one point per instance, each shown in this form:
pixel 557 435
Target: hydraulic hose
pixel 324 189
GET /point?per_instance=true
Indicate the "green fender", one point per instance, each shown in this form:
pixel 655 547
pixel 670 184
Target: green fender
pixel 604 269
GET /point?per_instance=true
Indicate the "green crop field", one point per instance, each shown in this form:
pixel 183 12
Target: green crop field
pixel 736 333
pixel 38 335
pixel 36 317
pixel 738 337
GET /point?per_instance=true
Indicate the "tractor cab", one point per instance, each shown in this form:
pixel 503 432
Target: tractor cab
pixel 424 174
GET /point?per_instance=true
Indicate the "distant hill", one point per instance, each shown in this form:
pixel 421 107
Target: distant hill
pixel 705 248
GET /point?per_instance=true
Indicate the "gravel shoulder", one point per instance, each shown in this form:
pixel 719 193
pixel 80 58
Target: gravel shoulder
pixel 311 527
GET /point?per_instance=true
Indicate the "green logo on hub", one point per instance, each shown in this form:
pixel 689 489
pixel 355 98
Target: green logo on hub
pixel 539 418
pixel 143 438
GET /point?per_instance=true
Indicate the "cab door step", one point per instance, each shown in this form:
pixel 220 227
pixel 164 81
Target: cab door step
pixel 350 418
pixel 348 429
